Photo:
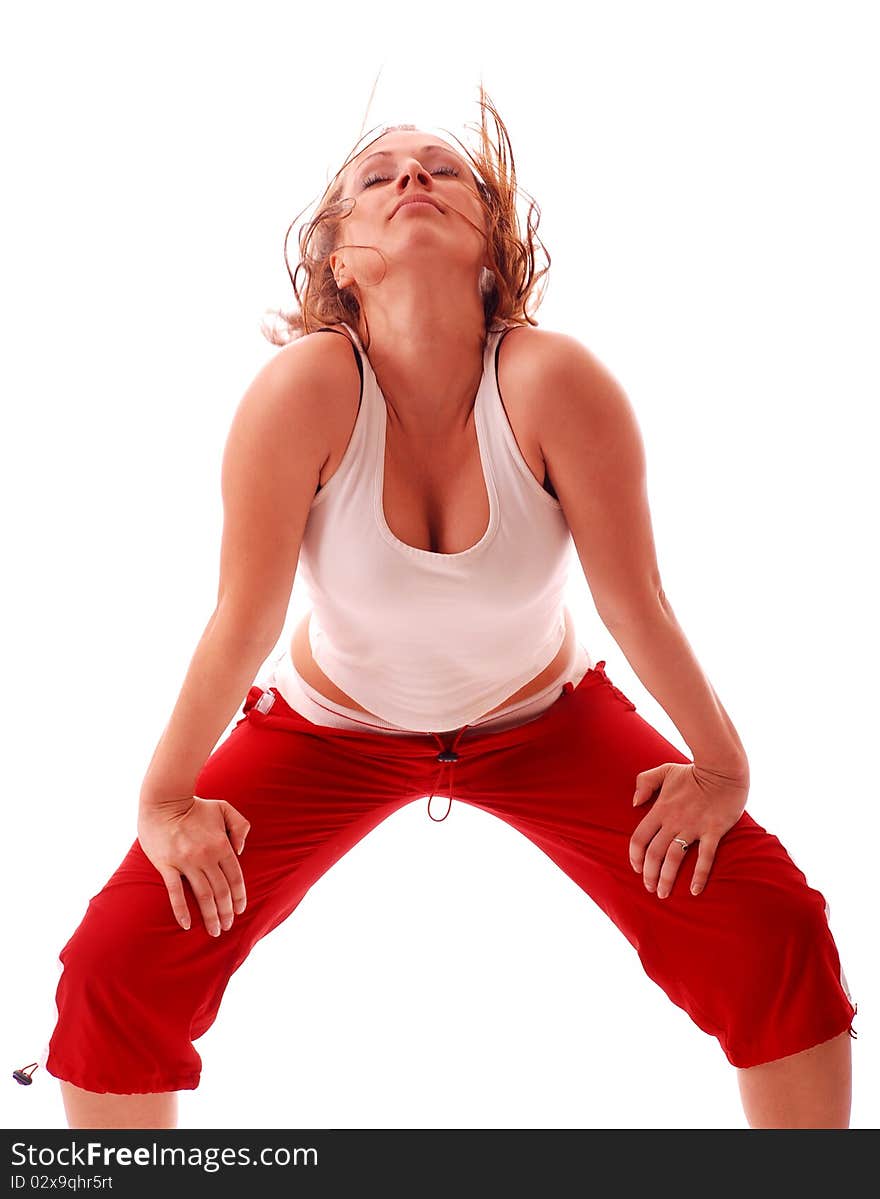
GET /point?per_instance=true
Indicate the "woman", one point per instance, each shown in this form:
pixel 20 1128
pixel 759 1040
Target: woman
pixel 429 468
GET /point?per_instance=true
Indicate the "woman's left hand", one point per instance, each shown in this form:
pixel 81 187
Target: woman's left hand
pixel 694 803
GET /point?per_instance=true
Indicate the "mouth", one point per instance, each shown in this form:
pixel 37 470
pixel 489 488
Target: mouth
pixel 416 200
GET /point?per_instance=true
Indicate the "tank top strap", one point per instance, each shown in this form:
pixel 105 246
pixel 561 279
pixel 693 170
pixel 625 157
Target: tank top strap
pixel 350 332
pixel 353 334
pixel 498 326
pixel 356 347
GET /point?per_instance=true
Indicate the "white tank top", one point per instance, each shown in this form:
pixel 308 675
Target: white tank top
pixel 427 640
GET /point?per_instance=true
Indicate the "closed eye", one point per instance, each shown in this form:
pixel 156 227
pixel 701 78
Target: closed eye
pixel 376 178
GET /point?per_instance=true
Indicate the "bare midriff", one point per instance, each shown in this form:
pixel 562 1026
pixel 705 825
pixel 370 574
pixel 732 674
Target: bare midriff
pixel 414 484
pixel 308 669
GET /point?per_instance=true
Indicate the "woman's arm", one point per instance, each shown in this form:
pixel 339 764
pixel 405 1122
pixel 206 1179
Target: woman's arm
pixel 657 649
pixel 594 454
pixel 218 677
pixel 277 445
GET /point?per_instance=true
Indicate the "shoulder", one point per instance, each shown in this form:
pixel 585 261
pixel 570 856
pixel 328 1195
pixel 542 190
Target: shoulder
pixel 312 381
pixel 302 390
pixel 326 361
pixel 547 353
pixel 562 381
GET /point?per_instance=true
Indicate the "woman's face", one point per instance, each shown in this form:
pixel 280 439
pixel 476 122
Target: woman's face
pixel 446 228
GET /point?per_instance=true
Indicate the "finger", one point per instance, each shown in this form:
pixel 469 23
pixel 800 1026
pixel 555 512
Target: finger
pixel 647 785
pixel 232 869
pixel 237 826
pixel 222 894
pixel 177 895
pixel 672 864
pixel 647 828
pixel 655 859
pixel 704 864
pixel 204 893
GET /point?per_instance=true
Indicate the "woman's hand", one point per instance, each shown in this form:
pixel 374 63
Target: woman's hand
pixel 694 803
pixel 198 838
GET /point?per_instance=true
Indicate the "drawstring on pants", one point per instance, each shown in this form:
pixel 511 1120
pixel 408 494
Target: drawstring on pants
pixel 446 757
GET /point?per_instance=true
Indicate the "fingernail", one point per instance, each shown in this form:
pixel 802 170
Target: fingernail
pixel 696 889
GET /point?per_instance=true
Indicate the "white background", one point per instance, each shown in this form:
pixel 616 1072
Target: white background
pixel 708 190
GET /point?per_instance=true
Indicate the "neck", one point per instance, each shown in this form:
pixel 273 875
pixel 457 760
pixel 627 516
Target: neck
pixel 427 355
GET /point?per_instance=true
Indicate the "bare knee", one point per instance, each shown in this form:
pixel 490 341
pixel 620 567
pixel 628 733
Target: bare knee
pixel 93 1109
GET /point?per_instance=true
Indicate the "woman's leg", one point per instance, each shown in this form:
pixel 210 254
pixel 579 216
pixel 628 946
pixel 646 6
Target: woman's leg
pixel 137 989
pixel 751 959
pixel 85 1109
pixel 810 1089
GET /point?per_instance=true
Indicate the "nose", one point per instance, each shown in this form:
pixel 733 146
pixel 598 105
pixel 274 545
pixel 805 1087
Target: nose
pixel 412 166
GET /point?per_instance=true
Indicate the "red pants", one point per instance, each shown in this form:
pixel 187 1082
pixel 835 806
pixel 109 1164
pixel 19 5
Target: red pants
pixel 751 960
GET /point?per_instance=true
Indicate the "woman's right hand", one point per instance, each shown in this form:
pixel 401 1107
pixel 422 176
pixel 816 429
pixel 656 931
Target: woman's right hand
pixel 197 838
